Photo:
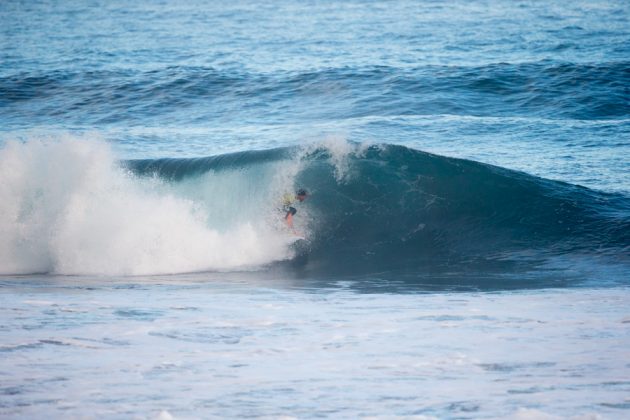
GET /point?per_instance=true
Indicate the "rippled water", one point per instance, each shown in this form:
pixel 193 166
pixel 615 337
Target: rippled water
pixel 213 349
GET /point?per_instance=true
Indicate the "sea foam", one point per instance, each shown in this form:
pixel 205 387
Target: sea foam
pixel 68 207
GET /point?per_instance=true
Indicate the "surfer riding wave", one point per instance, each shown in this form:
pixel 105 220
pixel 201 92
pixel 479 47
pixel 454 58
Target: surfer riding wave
pixel 288 202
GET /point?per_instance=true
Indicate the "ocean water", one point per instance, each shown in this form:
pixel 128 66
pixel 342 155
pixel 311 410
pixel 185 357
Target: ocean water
pixel 467 250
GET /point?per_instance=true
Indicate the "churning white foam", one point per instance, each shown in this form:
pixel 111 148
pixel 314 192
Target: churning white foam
pixel 340 152
pixel 67 207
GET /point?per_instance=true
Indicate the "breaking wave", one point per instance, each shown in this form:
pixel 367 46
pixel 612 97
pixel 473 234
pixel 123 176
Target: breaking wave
pixel 70 207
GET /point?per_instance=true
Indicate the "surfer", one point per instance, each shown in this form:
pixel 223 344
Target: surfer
pixel 288 201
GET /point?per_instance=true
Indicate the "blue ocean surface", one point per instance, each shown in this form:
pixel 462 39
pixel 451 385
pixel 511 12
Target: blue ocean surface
pixel 467 229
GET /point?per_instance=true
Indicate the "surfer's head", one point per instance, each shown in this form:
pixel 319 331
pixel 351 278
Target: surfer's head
pixel 301 194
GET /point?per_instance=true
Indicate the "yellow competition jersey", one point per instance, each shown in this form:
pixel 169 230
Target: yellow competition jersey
pixel 288 199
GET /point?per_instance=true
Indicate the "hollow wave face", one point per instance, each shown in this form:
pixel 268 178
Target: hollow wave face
pixel 67 207
pixel 392 211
